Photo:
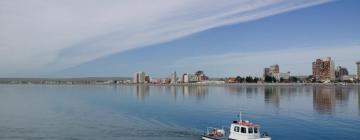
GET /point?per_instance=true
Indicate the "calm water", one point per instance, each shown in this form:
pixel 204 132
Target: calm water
pixel 92 112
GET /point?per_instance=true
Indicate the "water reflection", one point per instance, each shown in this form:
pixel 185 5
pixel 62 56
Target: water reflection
pixel 168 112
pixel 271 96
pixel 142 91
pixel 199 92
pixel 325 99
pixel 358 94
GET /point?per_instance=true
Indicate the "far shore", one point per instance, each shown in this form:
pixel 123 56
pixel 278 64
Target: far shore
pixel 176 84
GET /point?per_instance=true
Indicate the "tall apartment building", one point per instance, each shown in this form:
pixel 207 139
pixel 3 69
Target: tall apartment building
pixel 323 69
pixel 358 69
pixel 173 78
pixel 274 69
pixel 139 77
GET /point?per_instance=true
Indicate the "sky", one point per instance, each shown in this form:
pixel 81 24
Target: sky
pixel 89 38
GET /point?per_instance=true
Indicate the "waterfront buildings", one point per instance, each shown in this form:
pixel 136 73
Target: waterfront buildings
pixel 173 78
pixel 341 71
pixel 189 78
pixel 323 69
pixel 282 76
pixel 139 78
pixel 231 80
pixel 358 69
pixel 272 71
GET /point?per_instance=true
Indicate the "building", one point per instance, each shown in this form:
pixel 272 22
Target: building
pixel 324 69
pixel 340 72
pixel 346 78
pixel 173 78
pixel 282 76
pixel 185 78
pixel 266 72
pixel 231 80
pixel 358 70
pixel 274 69
pixel 202 77
pixel 147 79
pixel 139 77
pixel 190 78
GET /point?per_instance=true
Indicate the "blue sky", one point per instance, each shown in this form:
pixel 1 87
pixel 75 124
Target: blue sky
pixel 243 43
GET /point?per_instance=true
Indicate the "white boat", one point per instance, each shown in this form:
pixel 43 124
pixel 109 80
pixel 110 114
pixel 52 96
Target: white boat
pixel 239 130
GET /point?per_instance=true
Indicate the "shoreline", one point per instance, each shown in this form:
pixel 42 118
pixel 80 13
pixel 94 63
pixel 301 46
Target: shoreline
pixel 193 84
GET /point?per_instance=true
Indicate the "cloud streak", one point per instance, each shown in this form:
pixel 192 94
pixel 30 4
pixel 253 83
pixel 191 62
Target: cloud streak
pixel 43 36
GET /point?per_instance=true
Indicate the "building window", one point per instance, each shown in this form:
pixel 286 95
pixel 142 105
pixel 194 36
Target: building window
pixel 236 129
pixel 255 130
pixel 243 130
pixel 250 130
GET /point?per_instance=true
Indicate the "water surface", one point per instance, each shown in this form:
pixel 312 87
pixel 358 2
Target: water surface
pixel 114 112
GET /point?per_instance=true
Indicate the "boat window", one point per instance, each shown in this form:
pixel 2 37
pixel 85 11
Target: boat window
pixel 250 130
pixel 255 130
pixel 243 130
pixel 236 129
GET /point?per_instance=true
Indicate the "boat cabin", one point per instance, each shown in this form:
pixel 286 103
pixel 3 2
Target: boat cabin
pixel 244 130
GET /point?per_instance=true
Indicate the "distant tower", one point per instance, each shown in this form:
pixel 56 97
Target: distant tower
pixel 358 70
pixel 324 69
pixel 173 78
pixel 139 77
pixel 274 70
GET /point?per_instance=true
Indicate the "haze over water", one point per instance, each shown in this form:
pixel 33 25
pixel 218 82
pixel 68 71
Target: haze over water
pixel 127 112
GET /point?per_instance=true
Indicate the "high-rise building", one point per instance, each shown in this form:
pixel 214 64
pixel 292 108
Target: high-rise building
pixel 139 77
pixel 173 78
pixel 341 71
pixel 324 69
pixel 358 70
pixel 274 69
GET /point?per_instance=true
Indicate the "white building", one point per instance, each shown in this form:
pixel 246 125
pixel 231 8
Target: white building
pixel 139 77
pixel 189 78
pixel 173 78
pixel 285 76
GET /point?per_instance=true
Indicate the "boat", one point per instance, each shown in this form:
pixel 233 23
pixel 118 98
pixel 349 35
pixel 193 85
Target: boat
pixel 239 130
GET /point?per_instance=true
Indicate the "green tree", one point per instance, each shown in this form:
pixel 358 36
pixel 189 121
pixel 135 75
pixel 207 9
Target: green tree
pixel 256 79
pixel 249 79
pixel 239 79
pixel 293 79
pixel 199 72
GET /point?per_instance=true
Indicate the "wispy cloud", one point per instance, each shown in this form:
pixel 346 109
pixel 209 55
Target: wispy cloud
pixel 297 60
pixel 55 34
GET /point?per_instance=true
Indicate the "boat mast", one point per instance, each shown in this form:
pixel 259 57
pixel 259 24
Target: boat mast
pixel 240 116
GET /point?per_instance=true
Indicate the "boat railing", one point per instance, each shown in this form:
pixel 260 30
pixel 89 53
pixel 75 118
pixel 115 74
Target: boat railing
pixel 215 132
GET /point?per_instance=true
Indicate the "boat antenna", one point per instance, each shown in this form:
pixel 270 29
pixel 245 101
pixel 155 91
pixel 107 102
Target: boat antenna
pixel 240 116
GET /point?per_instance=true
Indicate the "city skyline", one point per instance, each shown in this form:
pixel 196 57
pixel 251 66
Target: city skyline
pixel 222 38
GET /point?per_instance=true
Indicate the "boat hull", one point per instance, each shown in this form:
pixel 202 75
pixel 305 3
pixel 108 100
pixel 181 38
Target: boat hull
pixel 214 138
